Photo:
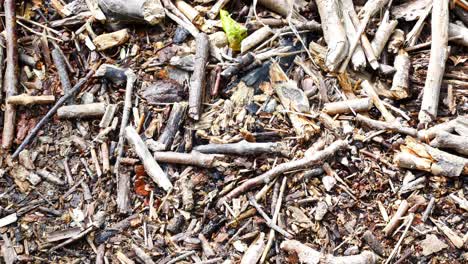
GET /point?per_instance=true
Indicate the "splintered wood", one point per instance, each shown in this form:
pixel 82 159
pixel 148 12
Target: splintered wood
pixel 218 131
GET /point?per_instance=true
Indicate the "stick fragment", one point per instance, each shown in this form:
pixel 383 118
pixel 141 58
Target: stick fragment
pixel 11 73
pixel 151 166
pixel 197 81
pixel 438 57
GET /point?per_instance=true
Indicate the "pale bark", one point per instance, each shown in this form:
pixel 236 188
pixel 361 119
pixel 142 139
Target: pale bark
pixel 149 11
pixel 150 164
pixel 82 111
pixel 384 31
pixel 400 83
pixel 438 58
pixel 334 33
pixel 347 106
pixel 308 255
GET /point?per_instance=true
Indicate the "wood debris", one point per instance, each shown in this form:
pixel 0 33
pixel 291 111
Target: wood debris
pixel 218 131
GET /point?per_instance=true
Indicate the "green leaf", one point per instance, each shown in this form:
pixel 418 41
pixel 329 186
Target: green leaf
pixel 235 32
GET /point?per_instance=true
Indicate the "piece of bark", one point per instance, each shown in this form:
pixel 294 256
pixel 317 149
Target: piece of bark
pixel 400 83
pixel 174 122
pixel 308 255
pixel 9 219
pixel 191 13
pixel 110 40
pixel 254 252
pixel 141 254
pixel 194 158
pixel 334 33
pixel 281 7
pixel 163 91
pixel 438 58
pixel 450 141
pixel 82 111
pixel 214 11
pixel 255 38
pixel 423 157
pixel 197 81
pixel 25 99
pixel 383 33
pixel 373 243
pixel 455 30
pixel 396 41
pixel 10 85
pixel 108 116
pixel 50 177
pixel 347 106
pixel 123 193
pixel 148 11
pixel 93 6
pixel 449 233
pixel 151 166
pixel 186 189
pixel 268 176
pixel 207 249
pixel 61 67
pixel 8 251
pixel 243 148
pixel 293 100
pixel 396 218
pixel 372 7
pixel 462 202
pixel 358 58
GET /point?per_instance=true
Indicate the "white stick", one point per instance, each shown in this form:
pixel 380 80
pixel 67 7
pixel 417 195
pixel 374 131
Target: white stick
pixel 436 68
pixel 150 164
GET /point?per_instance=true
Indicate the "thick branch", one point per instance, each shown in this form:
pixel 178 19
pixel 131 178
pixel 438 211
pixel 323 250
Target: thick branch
pixel 436 68
pixel 11 72
pixel 194 158
pixel 242 148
